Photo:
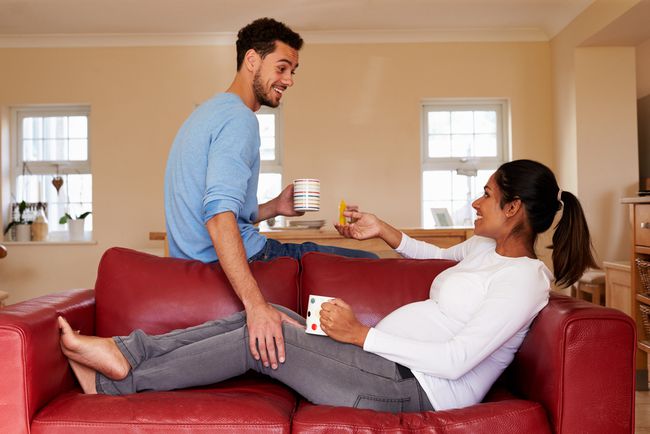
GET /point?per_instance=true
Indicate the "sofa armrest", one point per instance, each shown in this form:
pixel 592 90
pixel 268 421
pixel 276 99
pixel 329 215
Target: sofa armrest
pixel 578 362
pixel 32 366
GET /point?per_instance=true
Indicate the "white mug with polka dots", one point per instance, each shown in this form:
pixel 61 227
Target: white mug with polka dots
pixel 313 314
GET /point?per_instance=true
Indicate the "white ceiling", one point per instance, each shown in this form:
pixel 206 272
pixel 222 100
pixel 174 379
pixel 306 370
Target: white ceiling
pixel 521 19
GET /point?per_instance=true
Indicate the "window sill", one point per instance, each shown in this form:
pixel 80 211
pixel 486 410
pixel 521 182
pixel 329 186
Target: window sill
pixel 55 239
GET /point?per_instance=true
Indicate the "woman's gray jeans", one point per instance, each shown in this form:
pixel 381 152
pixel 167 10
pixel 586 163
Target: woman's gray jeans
pixel 319 368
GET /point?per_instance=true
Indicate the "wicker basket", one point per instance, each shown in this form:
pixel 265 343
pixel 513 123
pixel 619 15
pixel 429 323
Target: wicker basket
pixel 644 274
pixel 645 319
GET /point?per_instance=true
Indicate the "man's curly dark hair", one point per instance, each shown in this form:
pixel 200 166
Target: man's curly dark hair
pixel 261 34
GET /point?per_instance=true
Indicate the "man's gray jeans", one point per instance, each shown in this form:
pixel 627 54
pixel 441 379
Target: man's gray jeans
pixel 319 368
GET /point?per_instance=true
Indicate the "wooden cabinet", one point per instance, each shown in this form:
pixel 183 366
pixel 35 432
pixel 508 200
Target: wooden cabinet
pixel 618 286
pixel 639 209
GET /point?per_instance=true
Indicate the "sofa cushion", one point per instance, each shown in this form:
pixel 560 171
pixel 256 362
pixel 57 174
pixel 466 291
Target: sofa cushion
pixel 373 288
pixel 135 290
pixel 514 416
pixel 242 405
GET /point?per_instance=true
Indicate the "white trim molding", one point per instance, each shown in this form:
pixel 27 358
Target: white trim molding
pixel 310 37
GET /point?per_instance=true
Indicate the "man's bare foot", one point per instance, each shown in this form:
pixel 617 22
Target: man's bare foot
pixel 85 376
pixel 98 354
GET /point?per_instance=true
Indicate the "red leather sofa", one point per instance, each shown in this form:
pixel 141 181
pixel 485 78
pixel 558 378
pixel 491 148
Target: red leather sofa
pixel 573 374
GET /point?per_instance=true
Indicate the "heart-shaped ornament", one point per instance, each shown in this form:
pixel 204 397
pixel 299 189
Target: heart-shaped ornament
pixel 57 182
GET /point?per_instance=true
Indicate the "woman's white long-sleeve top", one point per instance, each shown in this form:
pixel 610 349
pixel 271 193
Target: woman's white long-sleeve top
pixel 460 340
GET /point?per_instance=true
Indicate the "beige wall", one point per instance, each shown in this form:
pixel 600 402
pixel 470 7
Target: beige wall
pixel 600 169
pixel 361 134
pixel 563 46
pixel 643 69
pixel 352 119
pixel 607 142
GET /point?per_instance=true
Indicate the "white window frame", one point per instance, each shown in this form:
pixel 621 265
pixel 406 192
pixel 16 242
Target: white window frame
pixel 51 167
pixel 463 164
pixel 275 165
pixel 62 167
pixel 272 166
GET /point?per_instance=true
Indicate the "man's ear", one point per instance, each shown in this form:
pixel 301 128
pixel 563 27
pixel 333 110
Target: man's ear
pixel 513 207
pixel 252 60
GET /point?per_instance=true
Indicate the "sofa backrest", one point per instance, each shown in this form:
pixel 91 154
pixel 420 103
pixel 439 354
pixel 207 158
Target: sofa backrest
pixel 373 288
pixel 135 290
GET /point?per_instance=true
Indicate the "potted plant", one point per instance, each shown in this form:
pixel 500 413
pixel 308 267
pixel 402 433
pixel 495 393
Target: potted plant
pixel 23 230
pixel 75 225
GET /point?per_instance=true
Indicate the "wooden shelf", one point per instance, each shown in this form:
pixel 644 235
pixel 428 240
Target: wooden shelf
pixel 639 212
pixel 644 346
pixel 643 299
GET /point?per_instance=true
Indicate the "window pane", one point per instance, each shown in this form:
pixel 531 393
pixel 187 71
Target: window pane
pixel 267 148
pixel 439 145
pixel 78 149
pixel 436 184
pixel 473 134
pixel 75 196
pixel 267 136
pixel 267 125
pixel 55 127
pixel 462 122
pixel 78 127
pixel 446 189
pixel 54 149
pixel 32 128
pixel 485 145
pixel 269 186
pixel 485 121
pixel 461 145
pixel 32 150
pixel 439 122
pixel 55 138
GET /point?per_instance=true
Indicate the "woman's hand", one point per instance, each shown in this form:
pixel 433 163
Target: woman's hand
pixel 365 226
pixel 340 323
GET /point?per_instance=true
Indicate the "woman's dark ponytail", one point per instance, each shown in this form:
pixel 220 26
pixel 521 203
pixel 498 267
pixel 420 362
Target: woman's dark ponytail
pixel 535 185
pixel 572 250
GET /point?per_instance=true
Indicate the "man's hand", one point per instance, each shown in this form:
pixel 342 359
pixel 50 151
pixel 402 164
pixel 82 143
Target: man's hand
pixel 284 203
pixel 265 333
pixel 340 323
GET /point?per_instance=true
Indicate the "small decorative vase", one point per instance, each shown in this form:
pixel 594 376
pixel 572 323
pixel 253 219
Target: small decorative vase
pixel 23 232
pixel 39 226
pixel 76 229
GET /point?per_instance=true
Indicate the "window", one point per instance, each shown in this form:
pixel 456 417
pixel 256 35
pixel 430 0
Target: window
pixel 463 143
pixel 50 148
pixel 270 182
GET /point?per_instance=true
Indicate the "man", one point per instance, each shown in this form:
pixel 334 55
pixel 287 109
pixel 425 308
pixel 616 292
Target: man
pixel 212 174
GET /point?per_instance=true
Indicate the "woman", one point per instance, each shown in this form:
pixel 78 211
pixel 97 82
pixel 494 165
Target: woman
pixel 441 353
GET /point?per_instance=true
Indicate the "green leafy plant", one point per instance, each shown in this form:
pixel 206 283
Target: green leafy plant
pixel 63 220
pixel 22 206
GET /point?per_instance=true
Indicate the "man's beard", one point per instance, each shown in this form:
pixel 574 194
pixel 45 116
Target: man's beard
pixel 260 94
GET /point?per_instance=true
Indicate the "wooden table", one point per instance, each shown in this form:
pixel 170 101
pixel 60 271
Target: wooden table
pixel 446 237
